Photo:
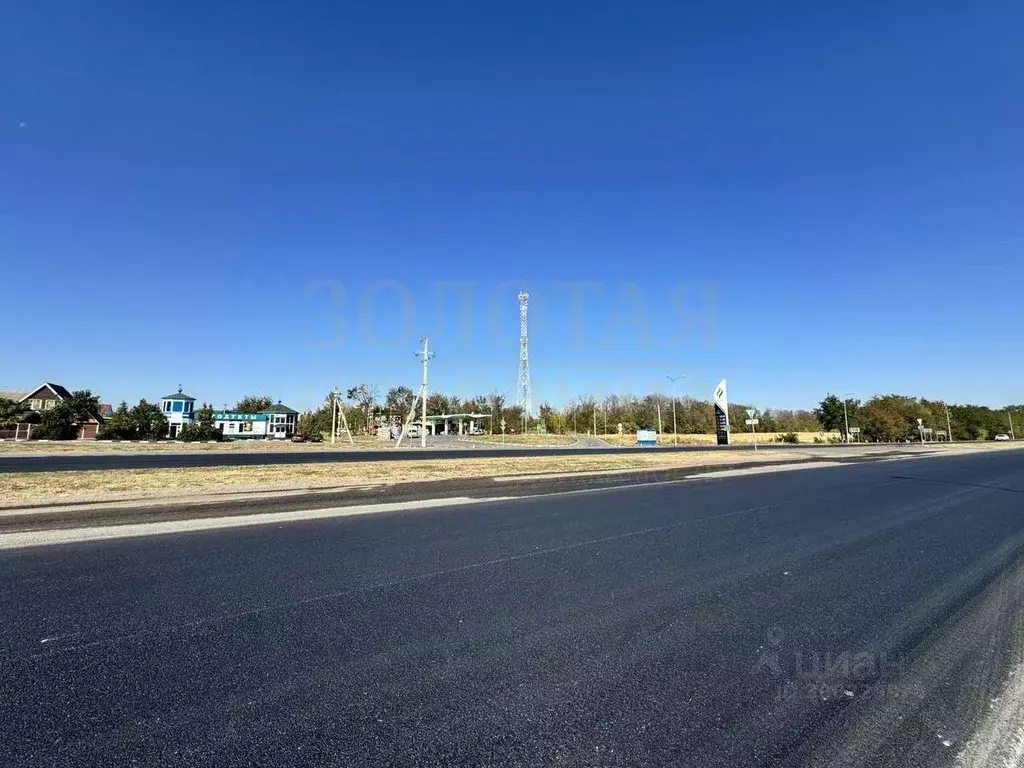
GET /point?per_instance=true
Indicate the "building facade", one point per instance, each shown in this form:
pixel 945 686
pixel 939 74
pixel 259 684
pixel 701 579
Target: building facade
pixel 276 422
pixel 179 409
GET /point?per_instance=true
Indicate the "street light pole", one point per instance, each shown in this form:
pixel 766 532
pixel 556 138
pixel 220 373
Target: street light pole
pixel 949 426
pixel 675 431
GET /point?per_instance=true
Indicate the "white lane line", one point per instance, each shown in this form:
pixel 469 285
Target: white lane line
pixel 770 469
pixel 133 530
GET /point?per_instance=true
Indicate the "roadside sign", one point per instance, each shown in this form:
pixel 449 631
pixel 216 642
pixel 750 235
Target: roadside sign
pixel 854 430
pixel 750 413
pixel 646 437
pixel 753 422
pixel 502 425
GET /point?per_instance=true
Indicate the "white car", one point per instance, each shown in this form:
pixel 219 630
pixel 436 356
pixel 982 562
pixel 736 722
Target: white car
pixel 1002 438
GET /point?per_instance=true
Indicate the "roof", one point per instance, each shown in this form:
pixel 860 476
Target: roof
pixel 435 417
pixel 106 410
pixel 57 389
pixel 13 394
pixel 278 408
pixel 179 395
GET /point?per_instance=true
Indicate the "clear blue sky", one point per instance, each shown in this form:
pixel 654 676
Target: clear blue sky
pixel 268 197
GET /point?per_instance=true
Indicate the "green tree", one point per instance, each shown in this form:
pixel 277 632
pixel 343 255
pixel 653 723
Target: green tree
pixel 398 401
pixel 58 423
pixel 832 417
pixel 84 405
pixel 148 421
pixel 202 429
pixel 254 403
pixel 495 404
pixel 365 395
pixel 118 426
pixel 11 412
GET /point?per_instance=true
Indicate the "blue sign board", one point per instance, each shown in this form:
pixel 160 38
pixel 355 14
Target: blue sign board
pixel 646 437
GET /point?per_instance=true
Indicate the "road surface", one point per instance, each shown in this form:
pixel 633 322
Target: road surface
pixel 131 459
pixel 868 614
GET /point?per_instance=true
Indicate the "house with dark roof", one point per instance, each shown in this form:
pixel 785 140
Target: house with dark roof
pixel 44 398
pixel 179 410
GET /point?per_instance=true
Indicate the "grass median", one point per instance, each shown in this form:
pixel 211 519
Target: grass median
pixel 130 484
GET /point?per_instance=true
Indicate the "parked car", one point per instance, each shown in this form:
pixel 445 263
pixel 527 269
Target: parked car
pixel 299 438
pixel 1002 438
pixel 316 438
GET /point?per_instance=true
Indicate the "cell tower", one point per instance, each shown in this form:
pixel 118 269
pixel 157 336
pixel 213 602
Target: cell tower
pixel 523 390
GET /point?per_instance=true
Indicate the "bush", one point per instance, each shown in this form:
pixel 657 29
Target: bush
pixel 198 433
pixel 789 437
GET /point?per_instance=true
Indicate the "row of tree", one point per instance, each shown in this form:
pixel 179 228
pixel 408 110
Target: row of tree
pixel 882 418
pixel 895 417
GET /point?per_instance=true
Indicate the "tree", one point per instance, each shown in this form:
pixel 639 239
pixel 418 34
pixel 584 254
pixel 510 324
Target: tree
pixel 144 421
pixel 118 426
pixel 202 429
pixel 831 416
pixel 148 421
pixel 399 400
pixel 11 412
pixel 254 403
pixel 58 423
pixel 365 395
pixel 84 405
pixel 495 404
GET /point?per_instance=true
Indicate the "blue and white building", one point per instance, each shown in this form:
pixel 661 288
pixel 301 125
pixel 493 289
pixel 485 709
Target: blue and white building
pixel 179 409
pixel 277 422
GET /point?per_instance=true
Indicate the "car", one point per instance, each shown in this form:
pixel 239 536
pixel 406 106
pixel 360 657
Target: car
pixel 316 438
pixel 1002 438
pixel 299 438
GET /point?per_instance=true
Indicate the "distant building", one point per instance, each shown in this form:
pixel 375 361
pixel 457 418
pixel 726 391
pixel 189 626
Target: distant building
pixel 179 410
pixel 44 398
pixel 278 421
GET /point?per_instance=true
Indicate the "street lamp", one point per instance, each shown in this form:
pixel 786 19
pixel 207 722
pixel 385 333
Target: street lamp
pixel 675 432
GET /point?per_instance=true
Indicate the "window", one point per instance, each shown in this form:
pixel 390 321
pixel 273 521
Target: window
pixel 167 406
pixel 35 404
pixel 177 405
pixel 188 407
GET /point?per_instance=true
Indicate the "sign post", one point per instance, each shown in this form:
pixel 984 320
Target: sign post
pixel 722 413
pixel 752 423
pixel 503 430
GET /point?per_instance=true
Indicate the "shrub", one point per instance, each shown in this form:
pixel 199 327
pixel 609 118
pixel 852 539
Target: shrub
pixel 789 437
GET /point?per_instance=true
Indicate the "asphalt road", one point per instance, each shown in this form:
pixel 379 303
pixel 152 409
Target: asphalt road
pixel 860 615
pixel 130 459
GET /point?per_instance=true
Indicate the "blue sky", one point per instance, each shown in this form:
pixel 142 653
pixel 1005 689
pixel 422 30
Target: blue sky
pixel 267 197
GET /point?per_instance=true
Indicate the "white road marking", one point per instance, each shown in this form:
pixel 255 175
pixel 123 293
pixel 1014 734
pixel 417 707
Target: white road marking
pixel 132 530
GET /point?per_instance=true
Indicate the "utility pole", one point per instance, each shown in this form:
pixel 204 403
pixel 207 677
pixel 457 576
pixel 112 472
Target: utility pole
pixel 421 398
pixel 423 412
pixel 846 418
pixel 336 411
pixel 1009 415
pixel 595 421
pixel 949 426
pixel 674 379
